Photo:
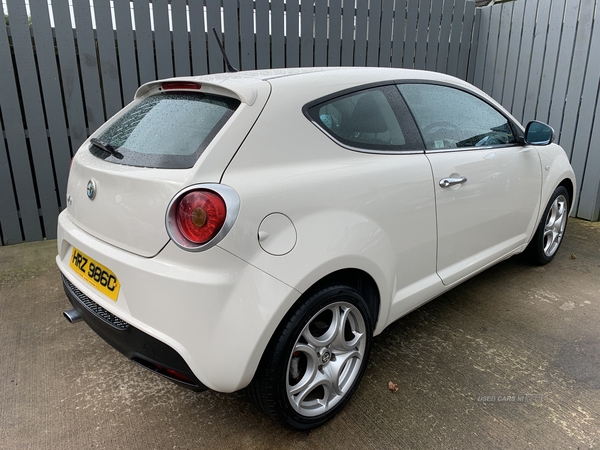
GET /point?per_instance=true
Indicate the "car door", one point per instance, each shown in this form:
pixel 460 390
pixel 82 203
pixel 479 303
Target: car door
pixel 487 185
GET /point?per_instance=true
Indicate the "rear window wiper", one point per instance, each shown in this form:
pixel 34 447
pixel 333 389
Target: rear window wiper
pixel 105 146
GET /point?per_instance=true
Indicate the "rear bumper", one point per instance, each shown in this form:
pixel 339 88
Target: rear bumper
pixel 208 314
pixel 131 342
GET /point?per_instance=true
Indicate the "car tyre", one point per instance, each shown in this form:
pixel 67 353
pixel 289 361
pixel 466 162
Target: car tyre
pixel 315 360
pixel 550 231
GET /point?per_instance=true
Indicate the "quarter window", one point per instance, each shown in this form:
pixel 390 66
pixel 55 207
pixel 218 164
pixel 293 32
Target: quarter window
pixel 367 120
pixel 451 118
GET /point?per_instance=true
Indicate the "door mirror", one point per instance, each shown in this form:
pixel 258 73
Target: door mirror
pixel 538 133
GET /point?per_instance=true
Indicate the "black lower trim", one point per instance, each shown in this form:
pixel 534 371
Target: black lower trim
pixel 133 343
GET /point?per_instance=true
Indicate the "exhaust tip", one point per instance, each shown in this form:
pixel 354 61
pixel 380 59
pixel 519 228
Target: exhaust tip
pixel 72 315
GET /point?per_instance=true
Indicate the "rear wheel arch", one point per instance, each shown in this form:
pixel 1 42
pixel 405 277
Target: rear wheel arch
pixel 357 279
pixel 357 294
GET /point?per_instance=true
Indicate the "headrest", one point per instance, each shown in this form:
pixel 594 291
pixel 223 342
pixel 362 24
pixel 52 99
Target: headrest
pixel 366 117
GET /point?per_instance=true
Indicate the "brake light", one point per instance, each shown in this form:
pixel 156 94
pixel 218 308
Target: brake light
pixel 200 215
pixel 180 85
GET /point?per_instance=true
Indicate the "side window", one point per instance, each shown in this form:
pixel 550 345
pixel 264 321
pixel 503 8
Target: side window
pixel 365 120
pixel 451 118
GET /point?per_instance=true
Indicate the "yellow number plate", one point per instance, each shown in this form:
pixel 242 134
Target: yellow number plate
pixel 99 276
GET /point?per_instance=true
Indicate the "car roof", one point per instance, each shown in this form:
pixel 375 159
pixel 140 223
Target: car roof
pixel 330 75
pixel 309 83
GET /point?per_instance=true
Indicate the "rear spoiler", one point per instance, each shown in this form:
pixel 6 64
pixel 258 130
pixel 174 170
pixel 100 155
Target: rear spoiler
pixel 229 85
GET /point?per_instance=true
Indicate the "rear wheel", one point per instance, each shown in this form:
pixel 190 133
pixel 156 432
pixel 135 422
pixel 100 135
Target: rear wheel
pixel 317 359
pixel 550 232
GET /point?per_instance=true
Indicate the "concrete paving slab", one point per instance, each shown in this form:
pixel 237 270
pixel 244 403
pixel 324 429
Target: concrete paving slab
pixel 509 359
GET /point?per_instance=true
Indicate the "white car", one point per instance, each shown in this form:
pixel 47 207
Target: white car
pixel 257 229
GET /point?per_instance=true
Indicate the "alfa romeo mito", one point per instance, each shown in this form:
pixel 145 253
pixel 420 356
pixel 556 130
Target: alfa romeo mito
pixel 257 229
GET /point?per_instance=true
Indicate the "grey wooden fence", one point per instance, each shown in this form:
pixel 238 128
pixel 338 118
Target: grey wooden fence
pixel 61 76
pixel 541 60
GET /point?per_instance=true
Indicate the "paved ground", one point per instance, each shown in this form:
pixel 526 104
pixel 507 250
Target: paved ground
pixel 512 331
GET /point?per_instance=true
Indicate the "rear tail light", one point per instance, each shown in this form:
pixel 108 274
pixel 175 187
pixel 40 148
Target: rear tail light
pixel 201 215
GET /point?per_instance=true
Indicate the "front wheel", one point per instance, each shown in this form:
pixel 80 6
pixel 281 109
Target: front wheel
pixel 317 359
pixel 550 232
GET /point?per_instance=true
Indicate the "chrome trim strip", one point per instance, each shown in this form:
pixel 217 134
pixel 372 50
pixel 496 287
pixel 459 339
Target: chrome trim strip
pixel 470 149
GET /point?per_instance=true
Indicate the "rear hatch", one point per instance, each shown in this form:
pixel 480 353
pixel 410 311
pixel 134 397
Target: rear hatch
pixel 174 134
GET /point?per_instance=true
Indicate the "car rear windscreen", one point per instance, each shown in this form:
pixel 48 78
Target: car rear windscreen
pixel 167 130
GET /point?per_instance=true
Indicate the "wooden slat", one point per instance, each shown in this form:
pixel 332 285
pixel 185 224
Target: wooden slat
pixel 231 36
pixel 549 69
pixel 385 41
pixel 320 34
pixel 492 50
pixel 398 31
pixel 292 39
pixel 181 41
pixel 512 61
pixel 213 20
pixel 467 47
pixel 86 46
pixel 579 58
pixel 360 44
pixel 10 230
pixel 561 82
pixel 105 38
pixel 445 28
pixel 537 58
pixel 410 43
pixel 433 37
pixel 144 41
pixel 524 61
pixel 589 203
pixel 53 103
pixel 277 35
pixel 334 52
pixel 348 33
pixel 457 25
pixel 502 54
pixel 69 71
pixel 586 157
pixel 17 146
pixel 162 39
pixel 34 116
pixel 482 38
pixel 373 45
pixel 306 32
pixel 198 38
pixel 422 32
pixel 248 61
pixel 127 57
pixel 263 50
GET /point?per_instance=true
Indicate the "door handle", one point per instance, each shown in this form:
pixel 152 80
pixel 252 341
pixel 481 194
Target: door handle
pixel 447 182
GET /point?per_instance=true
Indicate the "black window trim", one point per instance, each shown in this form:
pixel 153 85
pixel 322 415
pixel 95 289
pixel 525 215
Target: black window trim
pixel 516 129
pixel 397 104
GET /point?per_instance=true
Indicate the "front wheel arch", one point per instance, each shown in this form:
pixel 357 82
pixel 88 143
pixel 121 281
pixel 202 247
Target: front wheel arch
pixel 550 231
pixel 568 185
